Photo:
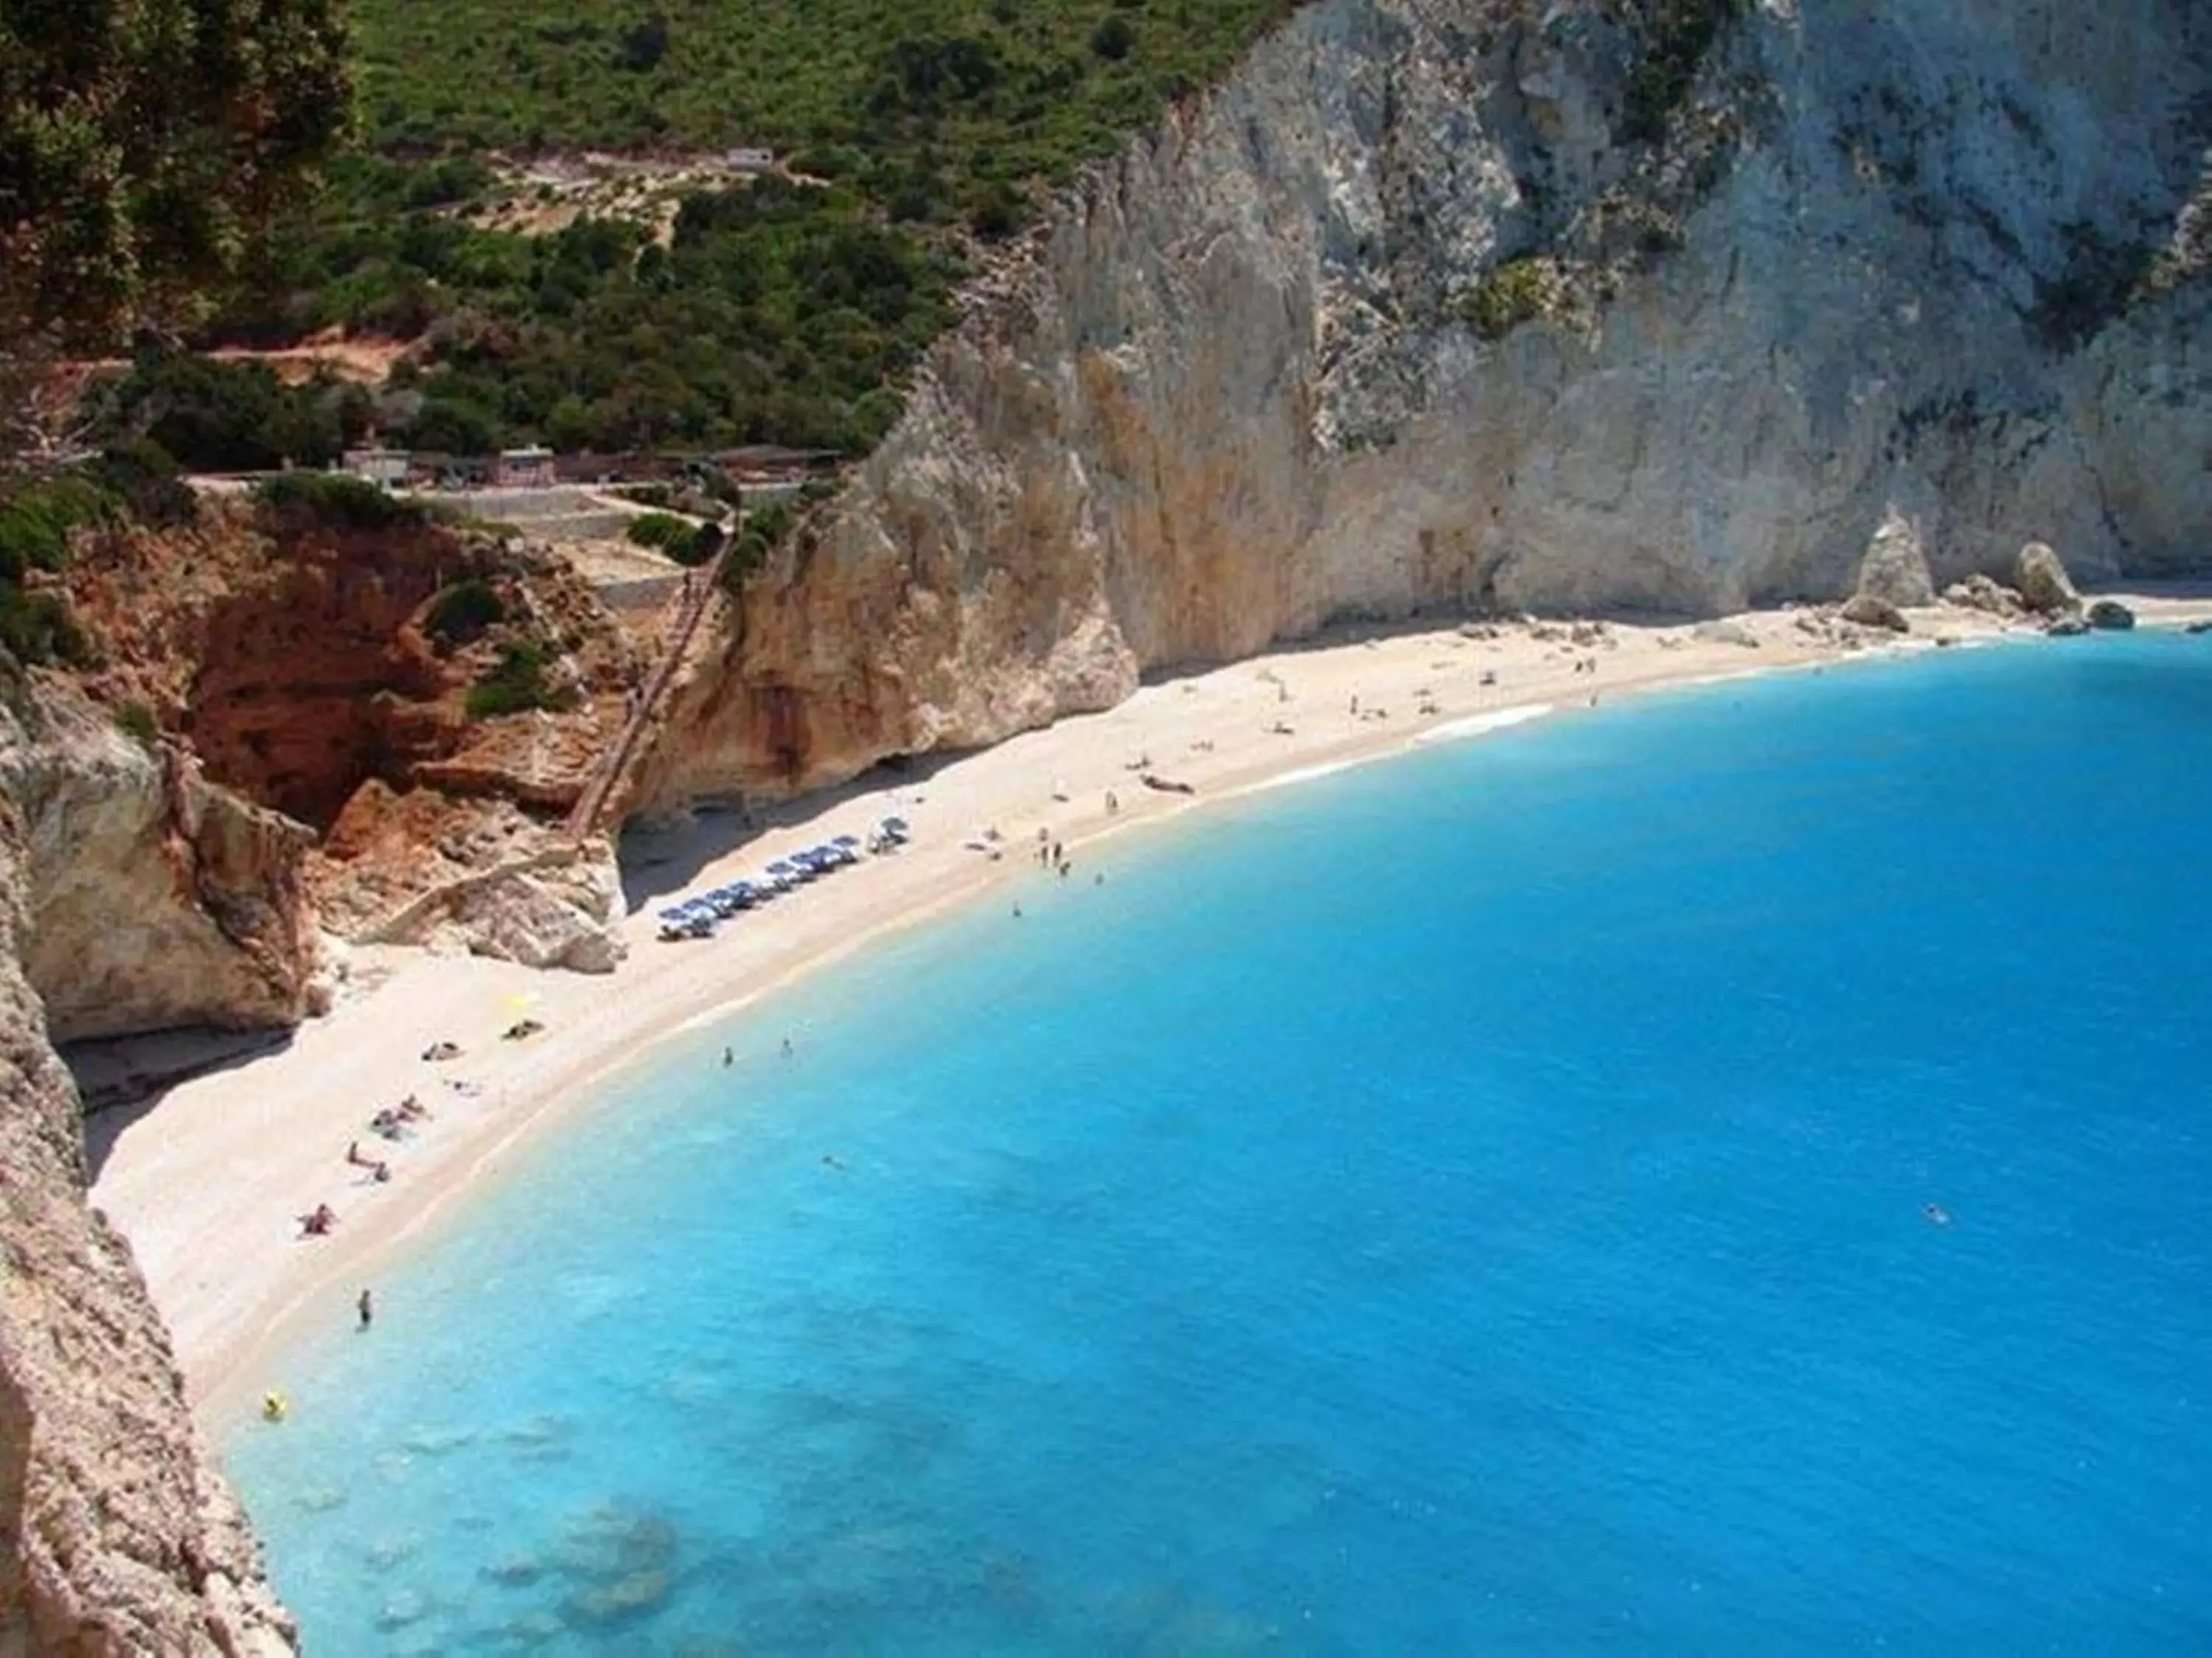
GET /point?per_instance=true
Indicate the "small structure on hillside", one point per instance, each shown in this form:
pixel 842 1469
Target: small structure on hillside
pixel 529 468
pixel 749 161
pixel 386 468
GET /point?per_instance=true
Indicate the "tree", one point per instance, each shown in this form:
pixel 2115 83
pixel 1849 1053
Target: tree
pixel 141 145
pixel 1114 38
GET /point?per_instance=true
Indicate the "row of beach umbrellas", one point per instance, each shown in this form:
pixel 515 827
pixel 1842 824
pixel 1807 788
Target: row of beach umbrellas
pixel 696 917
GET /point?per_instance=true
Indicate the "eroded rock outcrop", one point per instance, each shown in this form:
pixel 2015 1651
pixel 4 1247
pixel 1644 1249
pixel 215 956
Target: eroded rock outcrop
pixel 1872 610
pixel 1894 570
pixel 325 670
pixel 2044 586
pixel 1985 593
pixel 117 1536
pixel 1457 303
pixel 152 898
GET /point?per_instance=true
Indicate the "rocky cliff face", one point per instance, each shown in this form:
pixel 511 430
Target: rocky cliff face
pixel 116 1537
pixel 300 663
pixel 152 898
pixel 1644 304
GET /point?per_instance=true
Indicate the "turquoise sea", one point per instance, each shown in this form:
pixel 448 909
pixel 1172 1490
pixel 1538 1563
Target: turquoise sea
pixel 1473 1204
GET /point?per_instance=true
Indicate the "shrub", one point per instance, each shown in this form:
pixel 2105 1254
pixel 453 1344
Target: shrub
pixel 36 519
pixel 1509 294
pixel 642 46
pixel 140 472
pixel 659 530
pixel 461 612
pixel 769 523
pixel 516 684
pixel 747 556
pixel 1114 38
pixel 338 500
pixel 1676 34
pixel 135 719
pixel 37 627
pixel 221 417
pixel 698 545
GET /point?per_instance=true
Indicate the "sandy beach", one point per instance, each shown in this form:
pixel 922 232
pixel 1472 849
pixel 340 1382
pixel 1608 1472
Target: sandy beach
pixel 209 1181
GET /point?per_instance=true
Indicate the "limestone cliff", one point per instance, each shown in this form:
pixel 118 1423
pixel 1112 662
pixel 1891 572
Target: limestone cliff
pixel 117 1539
pixel 152 897
pixel 1650 304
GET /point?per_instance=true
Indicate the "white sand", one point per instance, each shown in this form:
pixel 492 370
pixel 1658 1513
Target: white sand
pixel 209 1184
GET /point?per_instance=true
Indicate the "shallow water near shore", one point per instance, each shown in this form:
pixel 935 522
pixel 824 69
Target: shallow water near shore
pixel 1481 1202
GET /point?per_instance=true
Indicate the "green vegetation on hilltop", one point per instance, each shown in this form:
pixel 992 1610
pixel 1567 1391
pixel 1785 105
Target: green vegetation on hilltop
pixel 140 145
pixel 938 93
pixel 777 311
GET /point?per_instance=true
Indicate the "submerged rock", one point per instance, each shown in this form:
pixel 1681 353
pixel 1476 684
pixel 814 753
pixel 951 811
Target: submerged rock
pixel 2112 616
pixel 1894 570
pixel 624 1597
pixel 1871 610
pixel 2044 583
pixel 2065 627
pixel 2204 626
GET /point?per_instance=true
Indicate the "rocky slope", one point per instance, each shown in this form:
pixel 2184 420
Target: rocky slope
pixel 300 661
pixel 1636 304
pixel 152 898
pixel 116 1537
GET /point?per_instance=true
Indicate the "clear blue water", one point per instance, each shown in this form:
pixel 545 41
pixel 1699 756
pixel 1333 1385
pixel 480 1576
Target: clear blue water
pixel 1472 1203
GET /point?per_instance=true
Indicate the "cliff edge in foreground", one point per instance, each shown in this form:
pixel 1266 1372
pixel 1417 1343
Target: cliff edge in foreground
pixel 118 1540
pixel 1654 305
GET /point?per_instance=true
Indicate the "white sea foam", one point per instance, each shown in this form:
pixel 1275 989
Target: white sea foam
pixel 1475 724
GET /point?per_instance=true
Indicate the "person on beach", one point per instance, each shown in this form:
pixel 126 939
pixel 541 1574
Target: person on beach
pixel 319 1223
pixel 354 1156
pixel 367 1307
pixel 1112 804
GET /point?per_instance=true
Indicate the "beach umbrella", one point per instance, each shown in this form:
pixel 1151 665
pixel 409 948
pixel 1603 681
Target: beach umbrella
pixel 894 823
pixel 846 841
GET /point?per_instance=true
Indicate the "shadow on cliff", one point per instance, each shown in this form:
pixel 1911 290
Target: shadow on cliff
pixel 659 862
pixel 124 1078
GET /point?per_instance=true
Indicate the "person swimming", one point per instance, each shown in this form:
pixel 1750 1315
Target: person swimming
pixel 1936 1214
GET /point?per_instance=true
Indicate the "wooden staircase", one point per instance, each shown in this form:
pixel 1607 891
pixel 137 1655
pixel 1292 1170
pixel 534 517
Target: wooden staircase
pixel 587 816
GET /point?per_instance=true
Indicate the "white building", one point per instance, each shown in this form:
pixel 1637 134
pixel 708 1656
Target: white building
pixel 386 469
pixel 529 468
